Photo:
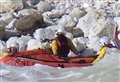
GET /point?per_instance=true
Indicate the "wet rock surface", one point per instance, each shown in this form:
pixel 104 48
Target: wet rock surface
pixel 42 18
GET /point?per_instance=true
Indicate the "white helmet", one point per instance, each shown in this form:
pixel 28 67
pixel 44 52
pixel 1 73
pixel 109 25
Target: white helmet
pixel 61 30
pixel 118 36
pixel 104 40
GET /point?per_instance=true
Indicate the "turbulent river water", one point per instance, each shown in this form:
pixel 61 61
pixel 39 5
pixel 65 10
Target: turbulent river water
pixel 107 70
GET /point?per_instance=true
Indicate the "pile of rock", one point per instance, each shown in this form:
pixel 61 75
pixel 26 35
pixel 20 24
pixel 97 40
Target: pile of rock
pixel 42 18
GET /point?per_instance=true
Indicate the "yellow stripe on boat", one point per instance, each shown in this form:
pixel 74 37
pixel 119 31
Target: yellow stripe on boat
pixel 3 55
pixel 101 53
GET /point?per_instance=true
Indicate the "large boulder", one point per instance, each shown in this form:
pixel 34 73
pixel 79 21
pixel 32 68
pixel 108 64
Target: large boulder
pixel 42 34
pixel 49 34
pixel 103 28
pixel 12 41
pixel 53 27
pixel 87 22
pixel 10 5
pixel 76 13
pixel 39 34
pixel 51 17
pixel 94 24
pixel 36 44
pixel 54 13
pixel 19 43
pixel 33 44
pixel 29 20
pixel 80 42
pixel 5 19
pixel 94 43
pixel 22 41
pixel 67 21
pixel 28 3
pixel 43 6
pixel 11 25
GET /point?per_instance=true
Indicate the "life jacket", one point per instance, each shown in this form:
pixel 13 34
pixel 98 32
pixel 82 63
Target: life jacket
pixel 63 47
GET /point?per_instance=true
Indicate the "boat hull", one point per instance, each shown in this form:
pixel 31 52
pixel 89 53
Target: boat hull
pixel 30 58
pixel 71 62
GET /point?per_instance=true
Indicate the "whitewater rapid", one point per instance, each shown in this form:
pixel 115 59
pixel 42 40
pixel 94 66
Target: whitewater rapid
pixel 107 70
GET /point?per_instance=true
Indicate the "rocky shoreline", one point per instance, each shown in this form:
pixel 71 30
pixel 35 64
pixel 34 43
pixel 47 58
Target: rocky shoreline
pixel 29 22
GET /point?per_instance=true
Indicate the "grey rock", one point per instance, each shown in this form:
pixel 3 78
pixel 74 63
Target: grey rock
pixel 10 5
pixel 29 20
pixel 67 21
pixel 43 6
pixel 6 18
